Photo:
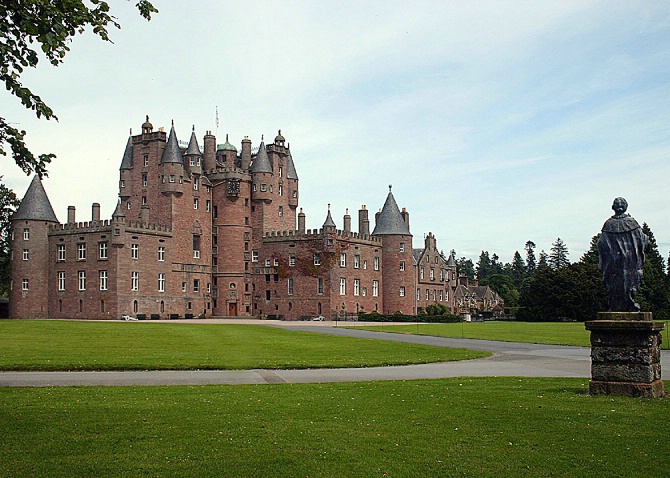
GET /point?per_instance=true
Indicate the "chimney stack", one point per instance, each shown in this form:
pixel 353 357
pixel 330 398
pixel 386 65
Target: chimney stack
pixel 95 212
pixel 347 221
pixel 363 221
pixel 71 215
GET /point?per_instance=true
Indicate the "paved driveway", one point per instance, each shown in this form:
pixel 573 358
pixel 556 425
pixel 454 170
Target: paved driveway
pixel 510 359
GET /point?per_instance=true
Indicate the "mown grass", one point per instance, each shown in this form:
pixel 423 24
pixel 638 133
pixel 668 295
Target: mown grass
pixel 557 333
pixel 552 333
pixel 69 345
pixel 450 427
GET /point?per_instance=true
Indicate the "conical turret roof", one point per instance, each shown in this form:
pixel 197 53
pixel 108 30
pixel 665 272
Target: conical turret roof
pixel 127 161
pixel 329 220
pixel 261 161
pixel 193 147
pixel 118 212
pixel 35 205
pixel 172 153
pixel 290 168
pixel 451 261
pixel 390 220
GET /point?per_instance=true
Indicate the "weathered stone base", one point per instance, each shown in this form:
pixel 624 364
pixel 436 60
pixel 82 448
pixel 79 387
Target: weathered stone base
pixel 628 389
pixel 626 355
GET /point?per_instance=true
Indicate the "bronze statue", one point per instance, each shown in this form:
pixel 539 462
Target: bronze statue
pixel 621 257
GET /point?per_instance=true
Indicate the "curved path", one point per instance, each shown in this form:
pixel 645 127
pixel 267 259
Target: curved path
pixel 510 359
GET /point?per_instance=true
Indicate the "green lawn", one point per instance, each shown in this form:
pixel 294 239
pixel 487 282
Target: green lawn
pixel 450 427
pixel 557 333
pixel 70 345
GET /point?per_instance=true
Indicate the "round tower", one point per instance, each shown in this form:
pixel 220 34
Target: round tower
pixel 29 289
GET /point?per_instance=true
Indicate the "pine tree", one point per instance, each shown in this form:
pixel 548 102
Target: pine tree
pixel 518 270
pixel 483 265
pixel 654 294
pixel 592 256
pixel 531 263
pixel 558 257
pixel 543 262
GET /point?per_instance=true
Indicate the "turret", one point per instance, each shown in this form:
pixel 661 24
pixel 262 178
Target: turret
pixel 227 154
pixel 329 230
pixel 261 172
pixel 118 226
pixel 193 156
pixel 398 277
pixel 29 290
pixel 172 166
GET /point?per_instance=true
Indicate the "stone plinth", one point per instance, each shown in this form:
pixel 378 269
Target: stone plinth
pixel 626 355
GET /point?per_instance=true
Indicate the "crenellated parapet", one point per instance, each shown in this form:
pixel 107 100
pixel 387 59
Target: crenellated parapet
pixel 278 236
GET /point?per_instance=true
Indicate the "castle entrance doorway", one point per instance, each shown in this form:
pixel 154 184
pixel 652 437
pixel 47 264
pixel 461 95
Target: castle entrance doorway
pixel 232 309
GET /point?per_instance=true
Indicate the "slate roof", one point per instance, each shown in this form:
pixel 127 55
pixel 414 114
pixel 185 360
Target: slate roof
pixel 193 147
pixel 390 220
pixel 329 221
pixel 35 204
pixel 127 161
pixel 451 261
pixel 290 168
pixel 172 153
pixel 118 212
pixel 261 162
pixel 416 255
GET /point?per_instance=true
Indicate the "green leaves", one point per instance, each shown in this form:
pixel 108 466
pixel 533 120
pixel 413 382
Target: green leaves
pixel 49 26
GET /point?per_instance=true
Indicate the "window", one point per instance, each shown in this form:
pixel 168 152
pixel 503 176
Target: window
pixel 267 262
pixel 343 286
pixel 81 252
pixel 24 283
pixel 281 211
pixel 195 181
pixel 102 250
pixel 290 286
pixel 183 286
pixel 343 259
pixel 376 263
pixel 161 282
pixel 161 253
pixel 144 180
pixel 402 247
pixel 317 258
pixel 146 160
pixel 82 280
pixel 281 173
pixel 209 289
pixel 432 274
pixel 402 291
pixel 144 200
pixel 319 286
pixel 134 281
pixel 441 274
pixel 264 187
pixel 281 188
pixel 134 251
pixel 26 254
pixel 26 236
pixel 427 294
pixel 357 286
pixel 61 281
pixel 421 273
pixel 215 212
pixel 103 279
pixel 196 285
pixel 254 256
pixel 375 288
pixel 418 294
pixel 440 295
pixel 357 261
pixel 123 183
pixel 291 259
pixel 364 291
pixel 208 205
pixel 365 265
pixel 60 256
pixel 195 203
pixel 192 162
pixel 196 246
pixel 171 179
pixel 275 262
pixel 402 265
pixel 446 295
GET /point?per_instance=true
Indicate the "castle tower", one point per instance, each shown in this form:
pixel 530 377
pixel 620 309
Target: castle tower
pixel 172 167
pixel 329 230
pixel 227 154
pixel 29 290
pixel 398 273
pixel 193 156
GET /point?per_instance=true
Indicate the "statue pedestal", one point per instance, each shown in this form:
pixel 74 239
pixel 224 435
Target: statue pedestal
pixel 626 355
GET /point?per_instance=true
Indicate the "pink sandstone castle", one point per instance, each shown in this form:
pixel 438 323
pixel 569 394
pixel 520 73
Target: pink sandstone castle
pixel 216 232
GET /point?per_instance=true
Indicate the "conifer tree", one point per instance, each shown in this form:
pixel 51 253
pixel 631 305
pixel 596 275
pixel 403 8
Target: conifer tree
pixel 531 263
pixel 558 257
pixel 654 294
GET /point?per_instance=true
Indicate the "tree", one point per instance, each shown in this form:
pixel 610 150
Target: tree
pixel 558 256
pixel 503 285
pixel 531 263
pixel 48 26
pixel 8 204
pixel 518 270
pixel 542 263
pixel 464 266
pixel 483 265
pixel 592 256
pixel 654 294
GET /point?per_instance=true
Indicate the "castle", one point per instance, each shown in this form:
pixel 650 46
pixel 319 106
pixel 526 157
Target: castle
pixel 216 232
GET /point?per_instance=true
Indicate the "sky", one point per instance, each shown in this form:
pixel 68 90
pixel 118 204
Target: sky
pixel 495 122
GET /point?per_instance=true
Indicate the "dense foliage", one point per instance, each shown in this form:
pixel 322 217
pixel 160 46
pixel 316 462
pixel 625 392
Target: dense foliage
pixel 8 204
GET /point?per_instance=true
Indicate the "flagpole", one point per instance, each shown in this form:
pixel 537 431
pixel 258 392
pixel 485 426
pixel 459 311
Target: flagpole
pixel 217 121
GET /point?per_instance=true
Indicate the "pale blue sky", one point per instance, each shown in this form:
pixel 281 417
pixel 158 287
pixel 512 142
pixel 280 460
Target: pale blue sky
pixel 495 122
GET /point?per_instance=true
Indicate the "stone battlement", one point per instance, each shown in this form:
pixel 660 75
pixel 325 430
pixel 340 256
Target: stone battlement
pixel 318 233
